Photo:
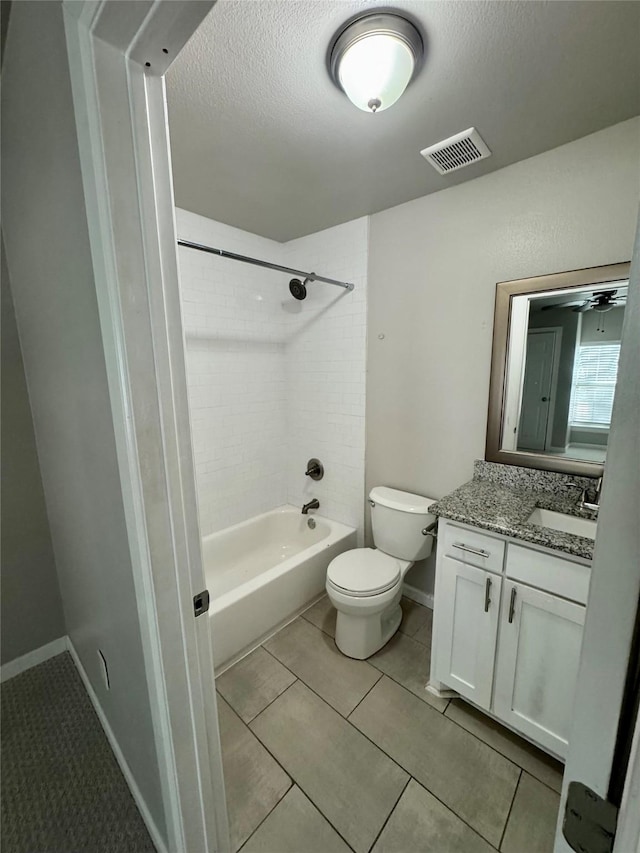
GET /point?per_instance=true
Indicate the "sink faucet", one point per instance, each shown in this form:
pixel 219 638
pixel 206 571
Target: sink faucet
pixel 314 504
pixel 589 499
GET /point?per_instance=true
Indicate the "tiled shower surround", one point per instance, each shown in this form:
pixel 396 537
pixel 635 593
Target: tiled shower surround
pixel 274 381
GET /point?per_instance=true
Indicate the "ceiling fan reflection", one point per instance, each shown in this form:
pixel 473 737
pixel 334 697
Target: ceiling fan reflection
pixel 602 301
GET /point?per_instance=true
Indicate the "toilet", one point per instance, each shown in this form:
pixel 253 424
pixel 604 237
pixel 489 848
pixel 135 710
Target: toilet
pixel 365 584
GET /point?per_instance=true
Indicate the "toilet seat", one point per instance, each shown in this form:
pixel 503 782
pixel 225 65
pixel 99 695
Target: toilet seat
pixel 364 571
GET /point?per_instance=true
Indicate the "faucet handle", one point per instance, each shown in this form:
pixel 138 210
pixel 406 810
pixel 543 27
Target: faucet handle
pixel 589 496
pixel 315 469
pixel 592 494
pixel 582 496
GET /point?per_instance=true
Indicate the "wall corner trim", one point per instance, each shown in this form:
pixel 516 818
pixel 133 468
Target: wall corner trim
pixel 33 658
pixel 157 839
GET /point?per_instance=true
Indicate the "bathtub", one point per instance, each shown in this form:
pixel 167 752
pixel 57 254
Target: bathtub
pixel 263 572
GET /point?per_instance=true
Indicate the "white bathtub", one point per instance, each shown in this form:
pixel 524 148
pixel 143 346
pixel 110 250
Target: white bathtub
pixel 263 572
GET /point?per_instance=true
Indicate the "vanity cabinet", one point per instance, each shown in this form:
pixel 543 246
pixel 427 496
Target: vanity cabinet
pixel 508 631
pixel 469 629
pixel 537 663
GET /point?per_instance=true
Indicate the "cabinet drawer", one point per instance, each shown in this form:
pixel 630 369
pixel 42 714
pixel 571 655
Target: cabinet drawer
pixel 473 548
pixel 552 574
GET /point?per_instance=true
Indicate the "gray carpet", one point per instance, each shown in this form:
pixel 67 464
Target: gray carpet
pixel 62 789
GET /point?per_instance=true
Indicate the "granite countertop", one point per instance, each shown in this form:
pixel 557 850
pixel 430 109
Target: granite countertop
pixel 494 506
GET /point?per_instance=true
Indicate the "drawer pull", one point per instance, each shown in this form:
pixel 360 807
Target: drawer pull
pixel 477 551
pixel 487 593
pixel 512 604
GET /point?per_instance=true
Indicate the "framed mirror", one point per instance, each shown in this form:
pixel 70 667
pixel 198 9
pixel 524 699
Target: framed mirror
pixel 556 342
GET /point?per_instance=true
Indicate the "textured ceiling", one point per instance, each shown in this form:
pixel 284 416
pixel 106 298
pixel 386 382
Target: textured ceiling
pixel 263 140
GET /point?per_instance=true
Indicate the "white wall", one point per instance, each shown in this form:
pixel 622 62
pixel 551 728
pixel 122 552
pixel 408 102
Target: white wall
pixel 26 552
pixel 433 267
pixel 49 261
pixel 274 381
pixel 602 327
pixel 518 327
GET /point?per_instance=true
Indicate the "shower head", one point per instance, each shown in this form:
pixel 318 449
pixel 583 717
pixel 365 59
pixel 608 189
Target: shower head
pixel 298 289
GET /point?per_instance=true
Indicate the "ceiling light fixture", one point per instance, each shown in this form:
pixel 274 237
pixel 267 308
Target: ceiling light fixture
pixel 374 58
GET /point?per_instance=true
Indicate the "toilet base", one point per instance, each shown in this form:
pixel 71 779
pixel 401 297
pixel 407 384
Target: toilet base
pixel 360 637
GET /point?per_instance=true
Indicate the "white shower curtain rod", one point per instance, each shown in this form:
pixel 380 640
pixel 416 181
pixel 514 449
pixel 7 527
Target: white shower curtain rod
pixel 308 276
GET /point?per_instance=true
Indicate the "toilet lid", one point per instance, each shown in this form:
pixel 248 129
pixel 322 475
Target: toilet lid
pixel 364 571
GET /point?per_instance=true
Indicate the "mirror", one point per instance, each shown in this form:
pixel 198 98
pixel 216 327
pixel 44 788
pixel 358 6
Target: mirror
pixel 556 342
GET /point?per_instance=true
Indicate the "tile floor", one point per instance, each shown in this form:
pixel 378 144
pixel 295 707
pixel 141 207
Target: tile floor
pixel 324 754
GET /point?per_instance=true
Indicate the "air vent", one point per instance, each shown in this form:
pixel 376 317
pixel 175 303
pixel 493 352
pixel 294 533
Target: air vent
pixel 458 151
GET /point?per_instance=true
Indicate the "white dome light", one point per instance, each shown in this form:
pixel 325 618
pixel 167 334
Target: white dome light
pixel 374 59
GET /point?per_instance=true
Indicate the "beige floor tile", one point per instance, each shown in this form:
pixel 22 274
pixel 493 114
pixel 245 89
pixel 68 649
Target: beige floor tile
pixel 532 822
pixel 415 617
pixel 254 782
pixel 420 822
pixel 255 681
pixel 408 663
pixel 516 749
pixel 423 634
pixel 469 777
pixel 312 655
pixel 350 780
pixel 323 616
pixel 295 826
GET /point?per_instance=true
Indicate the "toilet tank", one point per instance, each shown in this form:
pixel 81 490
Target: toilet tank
pixel 398 519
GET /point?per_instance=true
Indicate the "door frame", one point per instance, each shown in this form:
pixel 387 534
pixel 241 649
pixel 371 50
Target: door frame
pixel 613 616
pixel 118 54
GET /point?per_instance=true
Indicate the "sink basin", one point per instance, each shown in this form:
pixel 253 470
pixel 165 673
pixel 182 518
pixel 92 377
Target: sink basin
pixel 565 523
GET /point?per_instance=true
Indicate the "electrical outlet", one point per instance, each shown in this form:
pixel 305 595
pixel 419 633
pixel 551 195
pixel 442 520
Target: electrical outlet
pixel 104 669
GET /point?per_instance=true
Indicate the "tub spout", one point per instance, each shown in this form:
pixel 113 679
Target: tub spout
pixel 314 504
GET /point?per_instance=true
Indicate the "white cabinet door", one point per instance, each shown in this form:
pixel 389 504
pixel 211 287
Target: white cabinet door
pixel 537 664
pixel 469 601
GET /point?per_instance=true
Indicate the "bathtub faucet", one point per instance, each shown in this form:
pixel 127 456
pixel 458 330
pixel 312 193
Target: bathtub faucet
pixel 314 504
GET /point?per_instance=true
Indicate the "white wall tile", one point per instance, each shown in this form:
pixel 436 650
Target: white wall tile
pixel 326 364
pixel 234 328
pixel 274 381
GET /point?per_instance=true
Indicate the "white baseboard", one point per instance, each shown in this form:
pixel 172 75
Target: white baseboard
pixel 22 664
pixel 115 746
pixel 424 598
